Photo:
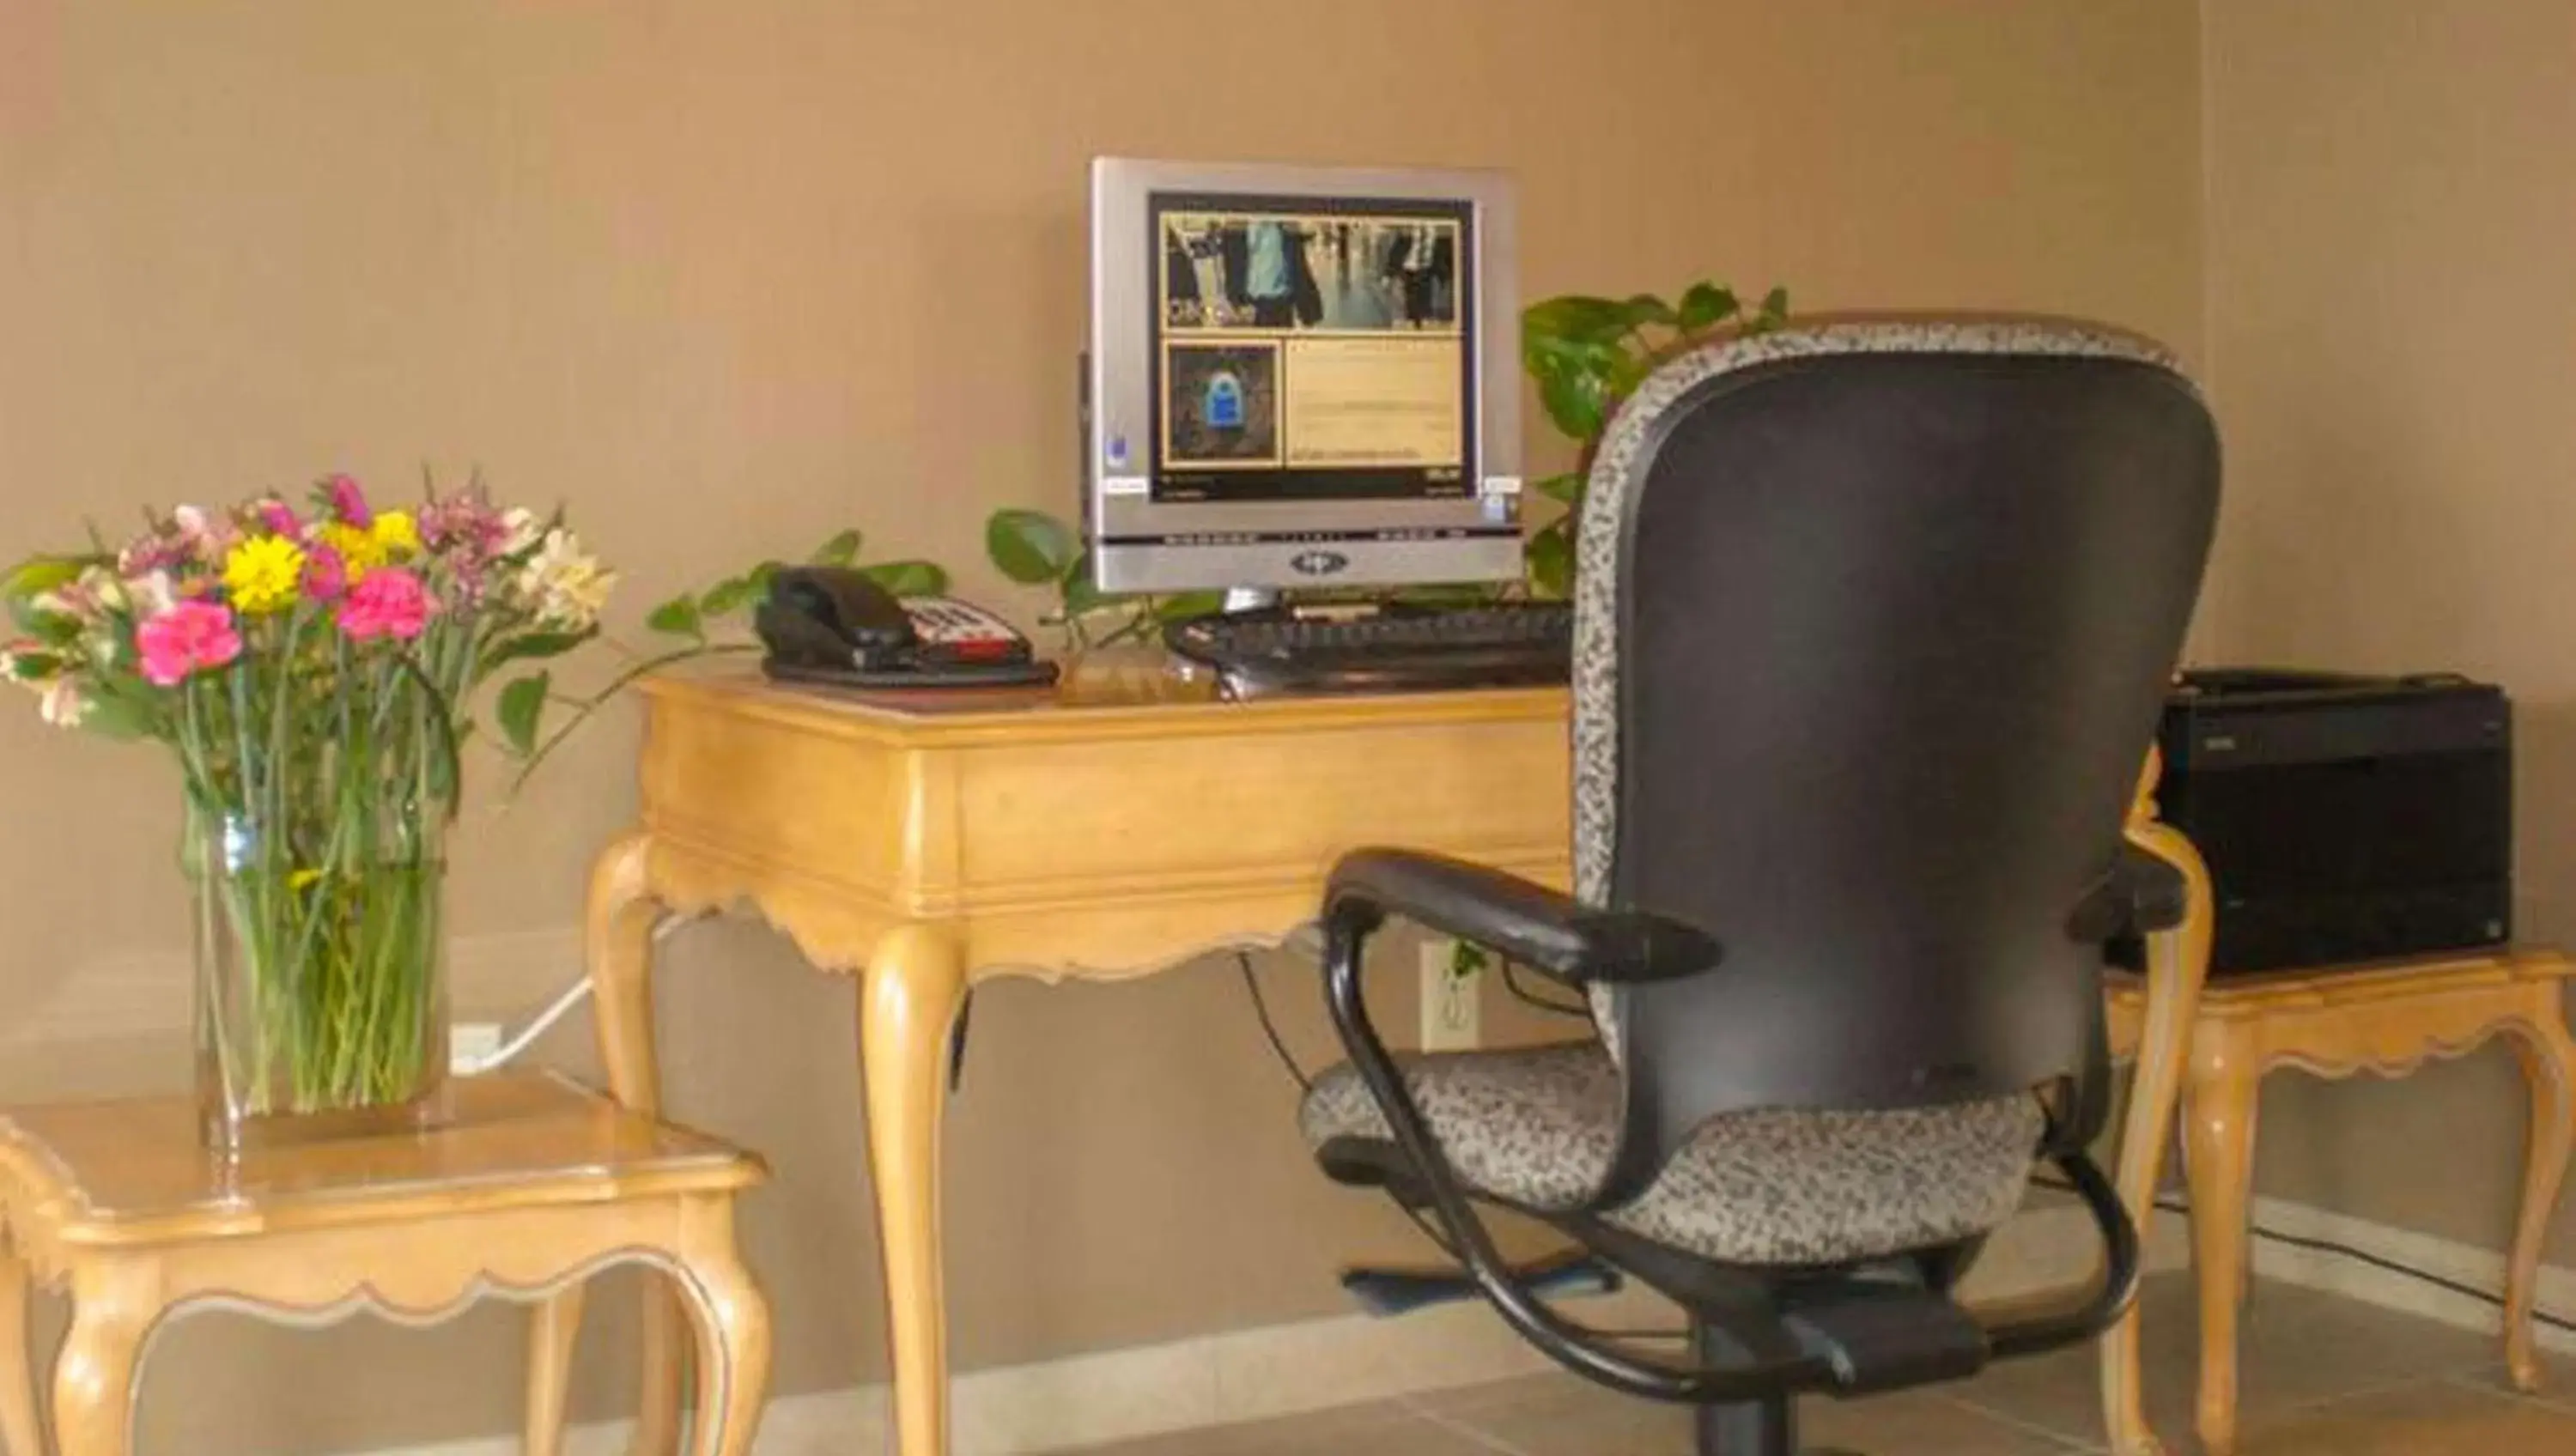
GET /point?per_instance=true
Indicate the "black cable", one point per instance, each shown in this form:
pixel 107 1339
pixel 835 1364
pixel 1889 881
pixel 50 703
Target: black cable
pixel 1269 1028
pixel 2328 1246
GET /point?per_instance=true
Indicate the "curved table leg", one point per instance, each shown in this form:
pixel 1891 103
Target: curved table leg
pixel 914 984
pixel 617 943
pixel 2177 968
pixel 731 1318
pixel 2224 1082
pixel 94 1373
pixel 2548 1060
pixel 20 1435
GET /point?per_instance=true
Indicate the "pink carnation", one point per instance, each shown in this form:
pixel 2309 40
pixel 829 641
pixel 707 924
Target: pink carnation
pixel 326 575
pixel 189 636
pixel 348 502
pixel 388 602
pixel 279 519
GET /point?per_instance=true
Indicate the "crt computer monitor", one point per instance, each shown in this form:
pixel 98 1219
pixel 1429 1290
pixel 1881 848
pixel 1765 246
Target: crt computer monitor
pixel 1300 377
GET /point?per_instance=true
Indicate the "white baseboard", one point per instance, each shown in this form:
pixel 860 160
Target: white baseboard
pixel 2460 1263
pixel 1245 1375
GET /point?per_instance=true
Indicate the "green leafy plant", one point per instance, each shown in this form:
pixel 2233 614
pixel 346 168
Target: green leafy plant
pixel 1036 549
pixel 1585 354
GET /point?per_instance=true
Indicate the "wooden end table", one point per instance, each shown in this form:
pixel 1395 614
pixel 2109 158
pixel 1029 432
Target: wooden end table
pixel 2389 1019
pixel 528 1185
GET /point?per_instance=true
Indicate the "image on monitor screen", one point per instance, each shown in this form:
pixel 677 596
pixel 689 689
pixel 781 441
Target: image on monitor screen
pixel 1308 348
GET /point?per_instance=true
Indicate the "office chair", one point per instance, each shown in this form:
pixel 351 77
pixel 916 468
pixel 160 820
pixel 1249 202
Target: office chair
pixel 1873 622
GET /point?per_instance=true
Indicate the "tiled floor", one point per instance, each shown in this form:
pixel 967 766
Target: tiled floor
pixel 2321 1377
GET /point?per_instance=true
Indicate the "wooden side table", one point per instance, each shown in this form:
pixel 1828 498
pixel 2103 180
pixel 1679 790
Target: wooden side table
pixel 529 1185
pixel 2388 1019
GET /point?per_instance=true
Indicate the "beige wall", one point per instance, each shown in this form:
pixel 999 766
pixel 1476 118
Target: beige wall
pixel 2393 335
pixel 723 277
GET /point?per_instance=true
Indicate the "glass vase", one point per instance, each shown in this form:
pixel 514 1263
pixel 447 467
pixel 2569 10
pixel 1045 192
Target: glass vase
pixel 321 972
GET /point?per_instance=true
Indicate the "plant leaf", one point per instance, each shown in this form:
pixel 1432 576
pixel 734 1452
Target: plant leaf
pixel 1567 487
pixel 1706 304
pixel 1576 397
pixel 1030 547
pixel 908 578
pixel 1082 595
pixel 1550 559
pixel 37 575
pixel 841 550
pixel 1573 318
pixel 762 575
pixel 517 709
pixel 1775 309
pixel 726 597
pixel 677 617
pixel 1645 308
pixel 51 628
pixel 533 647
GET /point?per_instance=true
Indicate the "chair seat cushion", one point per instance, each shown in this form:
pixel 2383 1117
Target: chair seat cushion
pixel 1536 1127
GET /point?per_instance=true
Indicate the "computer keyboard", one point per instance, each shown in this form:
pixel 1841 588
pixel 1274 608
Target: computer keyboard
pixel 1510 644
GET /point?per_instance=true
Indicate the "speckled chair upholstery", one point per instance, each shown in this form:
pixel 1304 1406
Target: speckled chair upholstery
pixel 1873 620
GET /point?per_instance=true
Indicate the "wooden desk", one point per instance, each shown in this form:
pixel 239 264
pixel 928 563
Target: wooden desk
pixel 528 1185
pixel 2389 1019
pixel 1123 825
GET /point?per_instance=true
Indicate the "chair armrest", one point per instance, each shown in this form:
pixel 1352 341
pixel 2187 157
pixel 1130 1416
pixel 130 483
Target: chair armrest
pixel 1529 923
pixel 2140 895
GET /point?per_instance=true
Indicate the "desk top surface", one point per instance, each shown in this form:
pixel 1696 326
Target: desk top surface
pixel 133 1170
pixel 1103 696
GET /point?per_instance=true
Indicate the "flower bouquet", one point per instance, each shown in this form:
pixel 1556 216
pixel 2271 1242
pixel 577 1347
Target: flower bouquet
pixel 311 671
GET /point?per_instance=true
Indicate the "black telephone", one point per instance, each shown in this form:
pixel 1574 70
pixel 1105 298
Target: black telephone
pixel 831 624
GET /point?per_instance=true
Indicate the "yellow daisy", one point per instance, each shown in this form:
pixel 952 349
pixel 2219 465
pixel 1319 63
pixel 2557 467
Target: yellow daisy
pixel 397 535
pixel 263 574
pixel 359 549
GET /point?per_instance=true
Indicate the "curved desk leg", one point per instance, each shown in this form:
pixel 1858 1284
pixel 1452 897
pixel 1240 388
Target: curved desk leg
pixel 19 1433
pixel 617 942
pixel 2549 1062
pixel 915 981
pixel 2225 1080
pixel 2178 965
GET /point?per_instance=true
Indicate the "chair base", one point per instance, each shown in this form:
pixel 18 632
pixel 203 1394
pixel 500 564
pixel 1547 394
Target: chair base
pixel 1764 1428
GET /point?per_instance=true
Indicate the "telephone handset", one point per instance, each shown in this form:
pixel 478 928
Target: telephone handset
pixel 830 624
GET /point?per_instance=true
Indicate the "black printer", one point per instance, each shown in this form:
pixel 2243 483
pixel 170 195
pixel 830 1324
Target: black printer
pixel 2344 818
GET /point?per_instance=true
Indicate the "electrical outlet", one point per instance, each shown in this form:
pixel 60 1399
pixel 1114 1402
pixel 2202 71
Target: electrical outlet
pixel 1452 1004
pixel 470 1044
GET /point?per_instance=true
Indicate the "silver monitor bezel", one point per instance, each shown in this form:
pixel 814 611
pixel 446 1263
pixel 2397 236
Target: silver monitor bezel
pixel 1289 544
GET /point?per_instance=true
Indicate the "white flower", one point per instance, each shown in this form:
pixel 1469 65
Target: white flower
pixel 567 587
pixel 105 587
pixel 152 593
pixel 521 529
pixel 62 704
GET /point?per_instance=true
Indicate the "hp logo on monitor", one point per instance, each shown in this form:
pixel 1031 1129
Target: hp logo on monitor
pixel 1318 563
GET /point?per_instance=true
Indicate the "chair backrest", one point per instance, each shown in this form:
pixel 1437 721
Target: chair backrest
pixel 1873 621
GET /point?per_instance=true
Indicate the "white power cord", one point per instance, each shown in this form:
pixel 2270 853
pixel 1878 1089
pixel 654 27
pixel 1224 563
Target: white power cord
pixel 511 1048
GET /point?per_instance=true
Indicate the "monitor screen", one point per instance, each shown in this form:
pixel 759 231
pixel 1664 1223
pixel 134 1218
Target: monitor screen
pixel 1300 377
pixel 1311 348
